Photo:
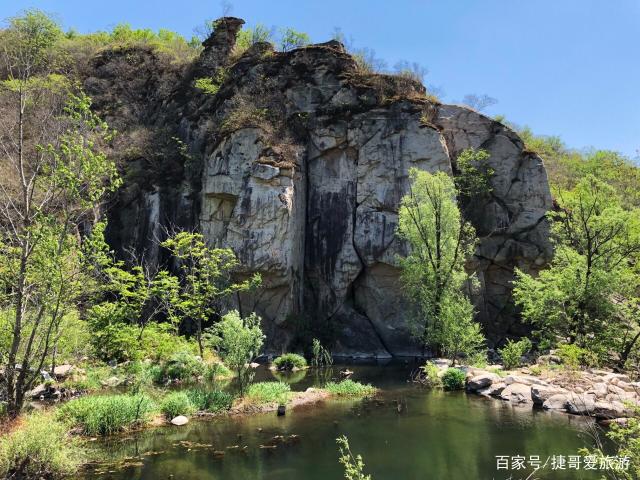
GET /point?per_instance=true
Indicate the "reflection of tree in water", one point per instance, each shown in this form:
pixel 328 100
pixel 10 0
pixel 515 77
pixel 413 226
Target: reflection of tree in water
pixel 322 376
pixel 289 377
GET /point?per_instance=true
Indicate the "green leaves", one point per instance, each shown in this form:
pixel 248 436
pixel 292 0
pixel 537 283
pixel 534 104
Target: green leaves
pixel 433 273
pixel 353 464
pixel 238 341
pixel 206 275
pixel 474 173
pixel 586 295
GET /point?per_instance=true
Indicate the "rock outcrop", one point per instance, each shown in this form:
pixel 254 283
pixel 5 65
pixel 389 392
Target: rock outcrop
pixel 298 163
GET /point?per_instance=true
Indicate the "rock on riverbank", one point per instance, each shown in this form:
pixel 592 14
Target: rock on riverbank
pixel 595 393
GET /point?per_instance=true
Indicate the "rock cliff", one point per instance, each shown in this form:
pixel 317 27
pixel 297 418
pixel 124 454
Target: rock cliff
pixel 298 163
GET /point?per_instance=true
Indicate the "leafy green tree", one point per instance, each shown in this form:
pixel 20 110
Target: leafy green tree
pixel 238 341
pixel 250 36
pixel 205 279
pixel 54 176
pixel 589 294
pixel 291 39
pixel 433 273
pixel 474 173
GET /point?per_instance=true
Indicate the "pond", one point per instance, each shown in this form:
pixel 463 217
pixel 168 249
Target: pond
pixel 432 435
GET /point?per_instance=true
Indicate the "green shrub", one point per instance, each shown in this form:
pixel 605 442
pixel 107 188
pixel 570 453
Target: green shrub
pixel 512 352
pixel 210 400
pixel 350 388
pixel 268 392
pixel 39 448
pixel 573 356
pixel 176 403
pixel 217 371
pixel 431 373
pixel 106 414
pixel 289 361
pixel 90 380
pixel 183 366
pixel 159 342
pixel 117 341
pixel 453 379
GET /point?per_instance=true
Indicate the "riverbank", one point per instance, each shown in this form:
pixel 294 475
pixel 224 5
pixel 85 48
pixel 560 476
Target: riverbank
pixel 402 431
pixel 604 395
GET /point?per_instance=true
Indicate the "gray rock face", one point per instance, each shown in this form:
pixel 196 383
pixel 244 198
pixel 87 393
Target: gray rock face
pixel 308 197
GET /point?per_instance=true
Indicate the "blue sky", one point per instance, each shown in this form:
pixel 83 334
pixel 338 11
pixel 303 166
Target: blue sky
pixel 564 67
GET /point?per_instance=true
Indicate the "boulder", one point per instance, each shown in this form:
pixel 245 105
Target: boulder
pixel 482 381
pixel 608 410
pixel 599 390
pixel 111 382
pixel 37 391
pixel 541 393
pixel 556 402
pixel 63 371
pixel 179 420
pixel 494 390
pixel 523 379
pixel 517 393
pixel 580 404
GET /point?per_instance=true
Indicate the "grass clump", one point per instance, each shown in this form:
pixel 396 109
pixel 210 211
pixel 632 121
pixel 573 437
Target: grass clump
pixel 268 392
pixel 290 361
pixel 107 414
pixel 350 388
pixel 210 400
pixel 39 448
pixel 453 379
pixel 176 403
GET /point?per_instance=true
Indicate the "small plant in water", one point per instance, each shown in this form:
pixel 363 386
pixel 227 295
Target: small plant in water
pixel 106 414
pixel 290 361
pixel 430 375
pixel 350 388
pixel 268 392
pixel 321 356
pixel 210 400
pixel 176 403
pixel 353 464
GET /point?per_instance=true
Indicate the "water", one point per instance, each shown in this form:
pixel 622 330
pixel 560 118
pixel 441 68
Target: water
pixel 436 435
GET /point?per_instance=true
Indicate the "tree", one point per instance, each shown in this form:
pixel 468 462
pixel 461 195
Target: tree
pixel 291 39
pixel 237 340
pixel 474 174
pixel 205 279
pixel 433 273
pixel 54 176
pixel 250 36
pixel 411 70
pixel 479 102
pixel 589 295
